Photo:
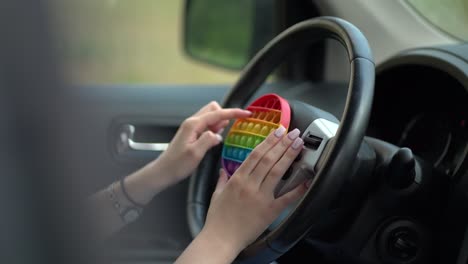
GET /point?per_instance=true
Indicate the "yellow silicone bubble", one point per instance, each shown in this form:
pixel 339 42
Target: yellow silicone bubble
pixel 250 126
pixel 239 125
pixel 244 125
pixel 264 130
pixel 257 128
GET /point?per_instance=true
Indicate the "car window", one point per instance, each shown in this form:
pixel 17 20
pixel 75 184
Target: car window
pixel 450 16
pixel 125 41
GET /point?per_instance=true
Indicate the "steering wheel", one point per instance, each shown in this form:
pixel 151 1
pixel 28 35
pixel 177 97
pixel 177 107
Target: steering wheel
pixel 337 152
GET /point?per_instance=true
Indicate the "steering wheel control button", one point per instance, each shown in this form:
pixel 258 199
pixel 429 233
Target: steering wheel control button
pixel 312 141
pixel 270 114
pixel 315 138
pixel 401 171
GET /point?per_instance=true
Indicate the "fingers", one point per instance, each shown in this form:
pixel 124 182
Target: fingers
pixel 206 141
pixel 257 154
pixel 214 118
pixel 218 128
pixel 280 168
pixel 274 155
pixel 282 202
pixel 215 126
pixel 212 106
pixel 194 126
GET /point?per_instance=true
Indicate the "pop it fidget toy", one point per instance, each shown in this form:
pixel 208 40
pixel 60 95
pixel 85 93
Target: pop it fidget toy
pixel 268 113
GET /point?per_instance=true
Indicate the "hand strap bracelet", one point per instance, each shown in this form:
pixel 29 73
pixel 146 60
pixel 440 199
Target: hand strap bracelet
pixel 128 213
pixel 125 193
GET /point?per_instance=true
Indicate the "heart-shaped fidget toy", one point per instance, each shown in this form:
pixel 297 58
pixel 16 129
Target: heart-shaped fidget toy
pixel 268 113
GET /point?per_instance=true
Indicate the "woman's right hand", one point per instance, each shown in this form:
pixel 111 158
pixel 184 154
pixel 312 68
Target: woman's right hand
pixel 243 207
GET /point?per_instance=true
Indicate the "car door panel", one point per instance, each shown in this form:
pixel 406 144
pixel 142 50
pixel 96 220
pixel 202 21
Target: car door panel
pixel 92 137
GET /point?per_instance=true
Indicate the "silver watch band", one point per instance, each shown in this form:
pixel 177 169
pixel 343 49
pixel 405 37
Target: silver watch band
pixel 128 213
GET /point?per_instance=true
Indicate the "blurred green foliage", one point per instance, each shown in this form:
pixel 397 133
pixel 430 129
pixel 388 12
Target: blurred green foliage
pixel 450 16
pixel 220 31
pixel 125 41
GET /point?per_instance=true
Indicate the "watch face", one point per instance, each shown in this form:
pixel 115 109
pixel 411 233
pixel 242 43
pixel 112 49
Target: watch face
pixel 131 215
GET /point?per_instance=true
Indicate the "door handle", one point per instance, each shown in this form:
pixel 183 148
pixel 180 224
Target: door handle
pixel 126 143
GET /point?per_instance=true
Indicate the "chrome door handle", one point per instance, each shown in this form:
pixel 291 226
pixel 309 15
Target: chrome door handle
pixel 126 142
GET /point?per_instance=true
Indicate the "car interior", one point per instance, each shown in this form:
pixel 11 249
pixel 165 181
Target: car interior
pixel 390 184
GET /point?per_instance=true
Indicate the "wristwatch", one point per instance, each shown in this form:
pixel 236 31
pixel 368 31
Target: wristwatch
pixel 128 213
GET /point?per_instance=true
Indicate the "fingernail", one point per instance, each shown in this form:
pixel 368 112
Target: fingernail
pixel 298 142
pixel 280 131
pixel 219 137
pixel 220 131
pixel 248 112
pixel 294 134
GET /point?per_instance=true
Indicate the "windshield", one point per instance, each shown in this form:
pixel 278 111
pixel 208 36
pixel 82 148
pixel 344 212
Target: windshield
pixel 450 16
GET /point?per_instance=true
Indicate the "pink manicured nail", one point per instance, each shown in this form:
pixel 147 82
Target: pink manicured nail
pixel 219 137
pixel 280 131
pixel 294 134
pixel 298 142
pixel 248 112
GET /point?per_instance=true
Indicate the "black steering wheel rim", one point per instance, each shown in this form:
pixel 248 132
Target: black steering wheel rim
pixel 339 159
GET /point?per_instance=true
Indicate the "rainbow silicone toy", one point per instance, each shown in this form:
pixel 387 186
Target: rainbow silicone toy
pixel 268 112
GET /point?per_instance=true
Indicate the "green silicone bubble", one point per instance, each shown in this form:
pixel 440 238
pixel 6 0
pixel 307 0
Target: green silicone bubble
pixel 236 139
pixel 243 140
pixel 257 141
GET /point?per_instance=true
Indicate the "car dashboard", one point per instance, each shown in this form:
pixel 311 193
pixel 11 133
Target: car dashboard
pixel 420 102
pixel 423 106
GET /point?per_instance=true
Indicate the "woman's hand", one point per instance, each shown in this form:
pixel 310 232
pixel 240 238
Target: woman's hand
pixel 243 207
pixel 196 135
